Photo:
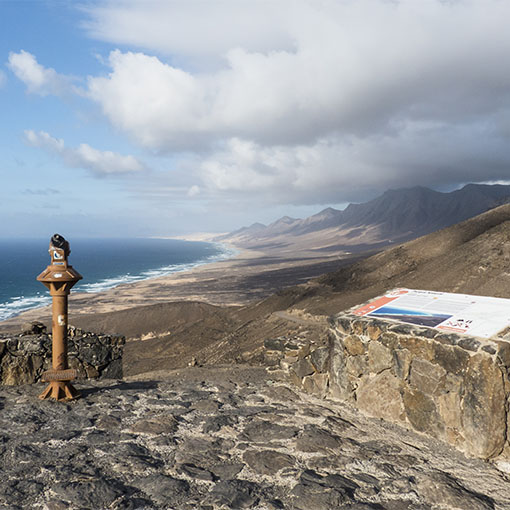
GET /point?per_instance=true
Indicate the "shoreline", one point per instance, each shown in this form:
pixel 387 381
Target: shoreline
pixel 41 300
pixel 246 277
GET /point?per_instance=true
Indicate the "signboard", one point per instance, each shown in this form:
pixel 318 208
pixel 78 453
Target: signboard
pixel 457 313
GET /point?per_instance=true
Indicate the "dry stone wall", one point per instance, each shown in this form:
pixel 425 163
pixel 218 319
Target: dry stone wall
pixel 306 362
pixel 452 387
pixel 25 357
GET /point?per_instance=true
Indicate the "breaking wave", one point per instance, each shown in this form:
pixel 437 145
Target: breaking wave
pixel 19 304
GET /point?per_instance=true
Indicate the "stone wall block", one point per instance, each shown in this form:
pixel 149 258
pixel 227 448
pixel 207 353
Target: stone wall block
pixel 490 349
pixel 422 412
pixel 339 384
pixel 17 370
pixel 272 358
pixel 426 377
pixel 95 354
pixel 470 344
pixel 91 372
pixel 358 327
pixel 452 383
pixel 287 363
pixel 322 383
pixel 446 338
pixel 75 363
pixel 390 340
pixel 316 384
pixel 37 363
pixel 12 344
pixel 375 329
pixel 403 329
pixel 354 345
pixel 320 359
pixel 452 358
pixel 504 353
pixel 419 347
pixel 304 351
pixel 379 358
pixel 402 363
pixel 343 325
pixel 274 344
pixel 303 368
pixel 449 407
pixel 294 379
pixel 483 411
pixel 380 396
pixel 113 370
pixel 3 348
pixel 30 344
pixel 356 366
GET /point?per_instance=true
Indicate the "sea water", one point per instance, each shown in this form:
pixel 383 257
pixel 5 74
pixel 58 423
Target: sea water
pixel 103 263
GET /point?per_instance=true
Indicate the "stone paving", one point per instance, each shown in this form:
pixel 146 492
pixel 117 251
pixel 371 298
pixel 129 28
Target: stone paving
pixel 224 438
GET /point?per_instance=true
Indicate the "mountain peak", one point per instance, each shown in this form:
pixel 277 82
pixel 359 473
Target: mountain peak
pixel 285 220
pixel 396 215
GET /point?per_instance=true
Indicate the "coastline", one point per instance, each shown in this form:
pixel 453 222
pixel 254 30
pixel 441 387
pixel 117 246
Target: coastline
pixel 32 298
pixel 248 276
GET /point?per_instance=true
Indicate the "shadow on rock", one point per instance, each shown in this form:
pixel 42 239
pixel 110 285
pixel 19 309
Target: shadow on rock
pixel 122 386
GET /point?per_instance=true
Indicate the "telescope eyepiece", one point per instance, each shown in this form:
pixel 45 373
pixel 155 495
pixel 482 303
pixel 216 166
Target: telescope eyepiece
pixel 58 241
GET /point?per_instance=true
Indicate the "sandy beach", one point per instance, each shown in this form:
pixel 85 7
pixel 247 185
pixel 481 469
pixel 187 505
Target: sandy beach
pixel 247 277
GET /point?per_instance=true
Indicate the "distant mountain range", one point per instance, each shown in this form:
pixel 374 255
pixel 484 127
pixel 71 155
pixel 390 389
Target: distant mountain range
pixel 395 216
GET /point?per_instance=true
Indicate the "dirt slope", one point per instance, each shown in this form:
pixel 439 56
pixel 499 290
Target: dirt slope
pixel 470 257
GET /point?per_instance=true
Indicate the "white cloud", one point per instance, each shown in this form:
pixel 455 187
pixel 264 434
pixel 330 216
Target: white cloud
pixel 100 163
pixel 312 100
pixel 194 191
pixel 357 67
pixel 37 78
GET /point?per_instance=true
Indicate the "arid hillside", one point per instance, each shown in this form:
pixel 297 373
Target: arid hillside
pixel 470 257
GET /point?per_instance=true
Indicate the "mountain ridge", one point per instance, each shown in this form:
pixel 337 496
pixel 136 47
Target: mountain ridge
pixel 398 215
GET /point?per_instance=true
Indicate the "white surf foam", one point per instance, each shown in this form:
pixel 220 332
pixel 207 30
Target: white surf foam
pixel 19 304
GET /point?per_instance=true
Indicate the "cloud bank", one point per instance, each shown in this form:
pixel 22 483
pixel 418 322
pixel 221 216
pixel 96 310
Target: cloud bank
pixel 99 163
pixel 299 101
pixel 317 101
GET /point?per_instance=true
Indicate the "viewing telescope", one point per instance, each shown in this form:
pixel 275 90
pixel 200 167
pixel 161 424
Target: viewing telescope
pixel 59 277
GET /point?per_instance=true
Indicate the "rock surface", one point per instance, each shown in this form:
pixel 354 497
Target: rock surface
pixel 224 438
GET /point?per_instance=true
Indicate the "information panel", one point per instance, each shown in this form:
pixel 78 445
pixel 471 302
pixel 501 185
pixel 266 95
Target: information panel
pixel 458 313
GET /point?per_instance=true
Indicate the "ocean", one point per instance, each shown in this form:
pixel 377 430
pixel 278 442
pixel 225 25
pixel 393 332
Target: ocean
pixel 103 263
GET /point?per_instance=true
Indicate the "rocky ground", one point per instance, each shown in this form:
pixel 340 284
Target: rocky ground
pixel 214 438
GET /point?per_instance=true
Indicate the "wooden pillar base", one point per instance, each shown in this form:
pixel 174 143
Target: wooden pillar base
pixel 60 390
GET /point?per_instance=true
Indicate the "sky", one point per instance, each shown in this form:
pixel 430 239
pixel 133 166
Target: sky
pixel 125 118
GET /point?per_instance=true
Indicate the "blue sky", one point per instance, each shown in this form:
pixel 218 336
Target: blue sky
pixel 132 118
